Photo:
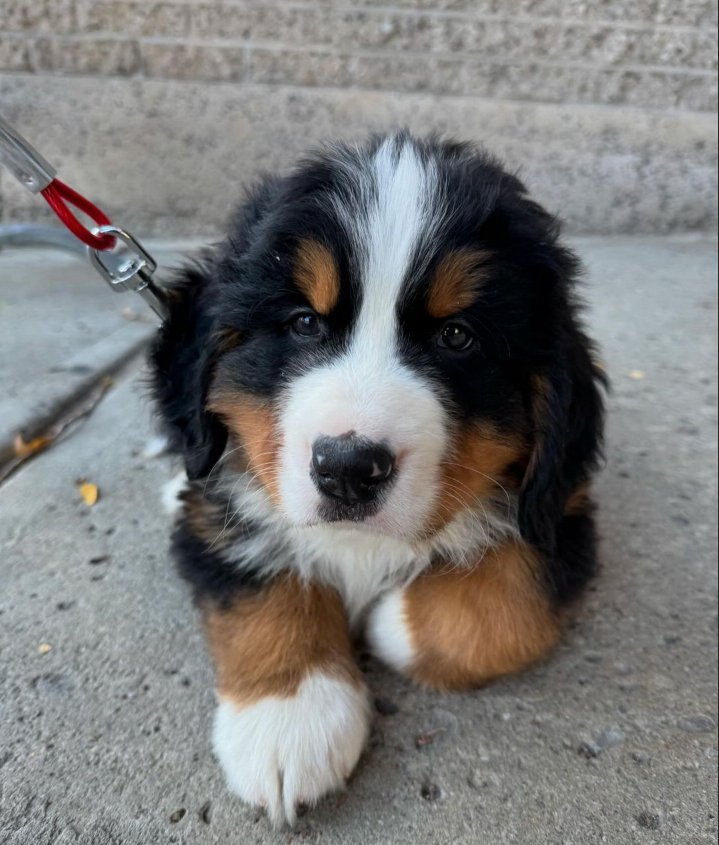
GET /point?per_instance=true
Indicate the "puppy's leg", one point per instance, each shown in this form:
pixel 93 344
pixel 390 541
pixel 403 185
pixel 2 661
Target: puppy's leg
pixel 293 711
pixel 457 629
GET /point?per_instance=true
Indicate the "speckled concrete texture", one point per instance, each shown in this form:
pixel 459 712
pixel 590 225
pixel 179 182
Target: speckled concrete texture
pixel 104 735
pixel 170 158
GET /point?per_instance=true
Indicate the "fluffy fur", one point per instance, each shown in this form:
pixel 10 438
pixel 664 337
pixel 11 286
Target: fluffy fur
pixel 404 296
pixel 283 752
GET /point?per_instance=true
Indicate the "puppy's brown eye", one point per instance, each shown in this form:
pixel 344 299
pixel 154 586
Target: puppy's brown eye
pixel 456 337
pixel 307 325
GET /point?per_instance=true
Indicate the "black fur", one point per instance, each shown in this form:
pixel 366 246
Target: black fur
pixel 574 562
pixel 182 360
pixel 208 573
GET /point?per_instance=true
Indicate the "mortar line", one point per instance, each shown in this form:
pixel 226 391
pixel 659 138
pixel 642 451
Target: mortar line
pixel 442 14
pixel 262 87
pixel 458 58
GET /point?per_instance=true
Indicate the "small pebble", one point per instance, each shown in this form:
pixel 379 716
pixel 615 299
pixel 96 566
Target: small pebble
pixel 589 750
pixel 610 739
pixel 423 740
pixel 594 658
pixel 697 724
pixel 178 816
pixel 45 648
pixel 96 561
pixel 480 781
pixel 649 821
pixel 642 758
pixel 624 670
pixel 431 792
pixel 386 707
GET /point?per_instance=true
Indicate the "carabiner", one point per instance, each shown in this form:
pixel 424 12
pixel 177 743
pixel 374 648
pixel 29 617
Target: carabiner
pixel 23 161
pixel 129 269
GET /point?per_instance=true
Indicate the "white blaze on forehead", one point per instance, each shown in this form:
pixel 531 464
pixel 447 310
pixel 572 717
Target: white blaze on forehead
pixel 398 218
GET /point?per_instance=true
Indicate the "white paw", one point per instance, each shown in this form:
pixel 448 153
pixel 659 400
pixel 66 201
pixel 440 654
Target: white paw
pixel 388 632
pixel 171 491
pixel 280 753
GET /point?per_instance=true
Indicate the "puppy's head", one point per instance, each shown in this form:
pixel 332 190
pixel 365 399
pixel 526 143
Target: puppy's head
pixel 389 338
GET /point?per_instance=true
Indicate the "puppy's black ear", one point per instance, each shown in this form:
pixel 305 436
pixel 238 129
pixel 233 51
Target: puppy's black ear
pixel 182 360
pixel 568 416
pixel 192 339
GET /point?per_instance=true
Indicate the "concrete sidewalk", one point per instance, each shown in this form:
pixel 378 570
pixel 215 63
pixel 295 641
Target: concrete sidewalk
pixel 61 330
pixel 106 690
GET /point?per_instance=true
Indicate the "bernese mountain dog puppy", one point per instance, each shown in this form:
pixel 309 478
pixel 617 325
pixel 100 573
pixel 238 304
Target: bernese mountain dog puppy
pixel 390 414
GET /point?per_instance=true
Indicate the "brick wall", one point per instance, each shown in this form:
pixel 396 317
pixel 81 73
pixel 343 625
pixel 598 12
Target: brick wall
pixel 468 59
pixel 650 53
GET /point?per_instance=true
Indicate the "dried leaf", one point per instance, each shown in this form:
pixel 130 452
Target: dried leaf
pixel 90 494
pixel 25 450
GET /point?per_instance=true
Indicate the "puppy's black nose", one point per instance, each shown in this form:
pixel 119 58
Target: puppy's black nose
pixel 351 469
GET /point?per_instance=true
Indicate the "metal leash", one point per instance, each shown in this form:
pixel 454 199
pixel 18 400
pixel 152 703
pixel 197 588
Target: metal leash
pixel 117 256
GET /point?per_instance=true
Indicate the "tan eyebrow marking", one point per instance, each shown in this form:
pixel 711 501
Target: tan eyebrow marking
pixel 457 282
pixel 317 275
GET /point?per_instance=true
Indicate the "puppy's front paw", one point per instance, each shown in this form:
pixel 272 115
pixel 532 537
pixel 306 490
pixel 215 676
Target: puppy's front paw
pixel 283 752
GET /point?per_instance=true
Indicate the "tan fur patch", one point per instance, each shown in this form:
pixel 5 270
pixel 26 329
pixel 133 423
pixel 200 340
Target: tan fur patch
pixel 228 339
pixel 471 628
pixel 457 282
pixel 317 276
pixel 477 469
pixel 252 422
pixel 269 642
pixel 209 518
pixel 580 502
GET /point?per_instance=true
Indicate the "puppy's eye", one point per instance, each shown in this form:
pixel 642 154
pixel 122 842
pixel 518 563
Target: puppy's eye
pixel 307 325
pixel 456 337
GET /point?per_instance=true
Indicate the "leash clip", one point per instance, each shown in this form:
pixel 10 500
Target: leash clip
pixel 119 258
pixel 23 161
pixel 131 268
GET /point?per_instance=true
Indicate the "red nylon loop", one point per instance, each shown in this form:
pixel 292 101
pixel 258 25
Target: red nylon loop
pixel 59 195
